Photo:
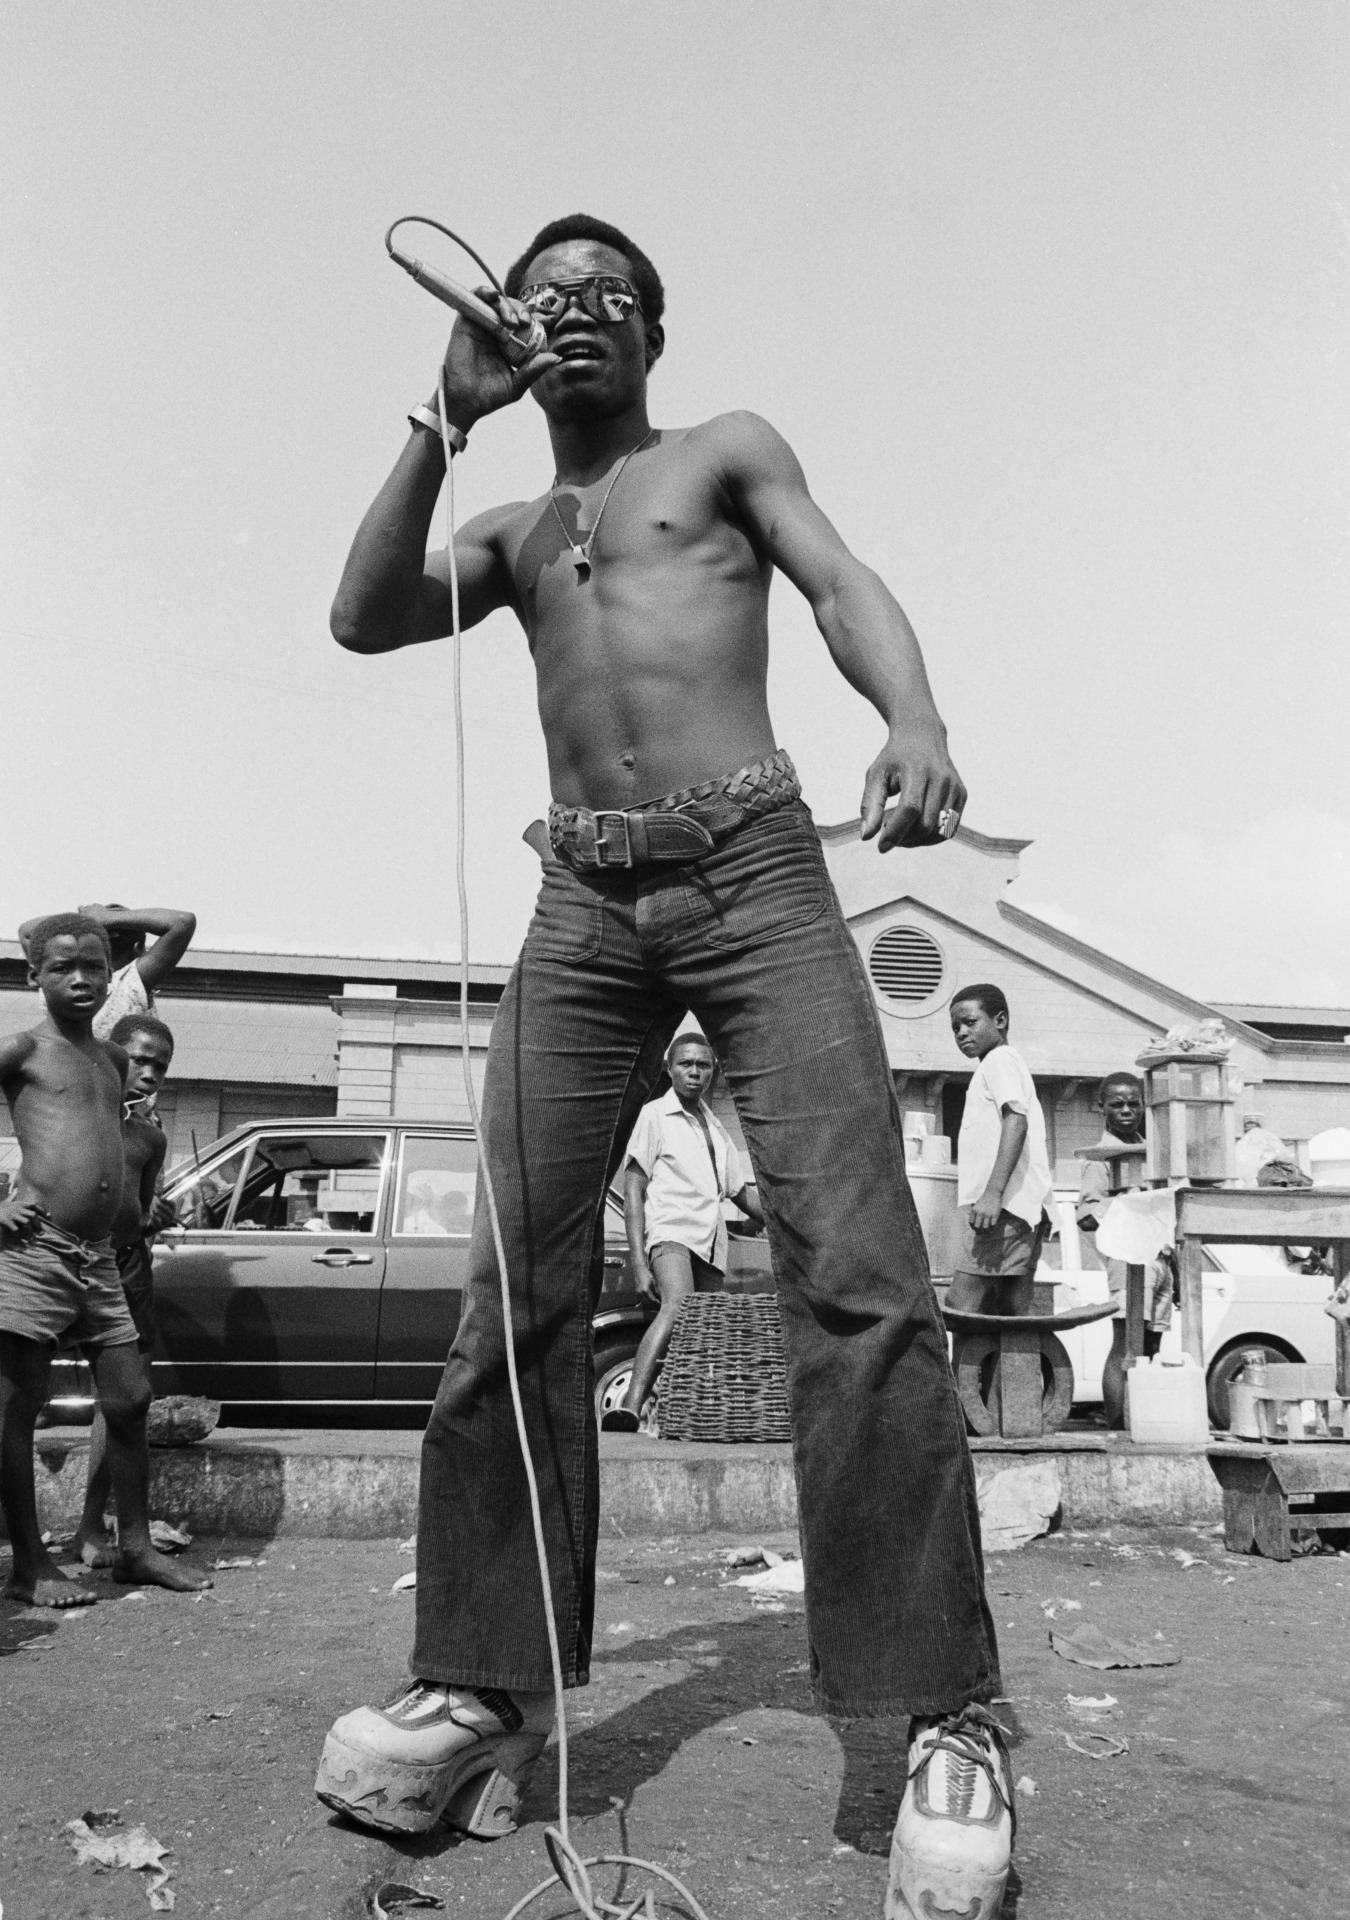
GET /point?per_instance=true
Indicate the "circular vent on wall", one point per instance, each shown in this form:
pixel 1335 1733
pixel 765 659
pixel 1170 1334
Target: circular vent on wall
pixel 906 965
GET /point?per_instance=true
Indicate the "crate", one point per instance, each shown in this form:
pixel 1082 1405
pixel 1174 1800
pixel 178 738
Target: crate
pixel 1296 1404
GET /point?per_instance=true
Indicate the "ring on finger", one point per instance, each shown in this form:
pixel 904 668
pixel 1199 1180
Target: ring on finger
pixel 948 821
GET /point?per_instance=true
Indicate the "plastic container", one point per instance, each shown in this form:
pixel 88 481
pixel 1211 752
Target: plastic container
pixel 1165 1400
pixel 934 1191
pixel 1329 1157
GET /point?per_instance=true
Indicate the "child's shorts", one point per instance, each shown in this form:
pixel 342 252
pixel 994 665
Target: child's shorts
pixel 1008 1250
pixel 57 1288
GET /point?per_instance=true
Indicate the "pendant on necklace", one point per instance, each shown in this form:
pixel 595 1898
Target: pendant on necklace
pixel 581 563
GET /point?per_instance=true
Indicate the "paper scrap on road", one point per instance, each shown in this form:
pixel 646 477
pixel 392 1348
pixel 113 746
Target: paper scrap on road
pixel 405 1583
pixel 1051 1607
pixel 1089 1646
pixel 1026 1787
pixel 231 1562
pixel 1184 1559
pixel 222 1713
pixel 1089 1706
pixel 396 1897
pixel 100 1840
pixel 409 1545
pixel 168 1538
pixel 789 1576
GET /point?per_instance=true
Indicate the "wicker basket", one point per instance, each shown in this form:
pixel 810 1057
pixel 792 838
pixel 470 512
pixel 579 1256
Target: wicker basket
pixel 725 1376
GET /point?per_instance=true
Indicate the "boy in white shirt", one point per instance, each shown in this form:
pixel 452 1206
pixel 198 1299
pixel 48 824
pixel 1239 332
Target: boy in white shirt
pixel 1002 1168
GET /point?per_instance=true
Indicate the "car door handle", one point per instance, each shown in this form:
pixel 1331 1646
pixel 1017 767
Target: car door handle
pixel 340 1257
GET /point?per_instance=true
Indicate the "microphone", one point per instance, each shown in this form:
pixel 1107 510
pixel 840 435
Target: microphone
pixel 517 343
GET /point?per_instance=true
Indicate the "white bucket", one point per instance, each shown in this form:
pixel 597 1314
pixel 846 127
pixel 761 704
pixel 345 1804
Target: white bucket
pixel 1165 1400
pixel 1329 1157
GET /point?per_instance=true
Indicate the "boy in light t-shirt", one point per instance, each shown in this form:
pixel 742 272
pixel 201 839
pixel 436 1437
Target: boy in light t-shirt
pixel 1002 1169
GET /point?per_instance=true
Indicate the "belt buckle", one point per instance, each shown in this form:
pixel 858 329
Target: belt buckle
pixel 602 840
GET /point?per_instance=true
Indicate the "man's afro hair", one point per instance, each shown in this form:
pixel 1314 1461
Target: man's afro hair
pixel 584 226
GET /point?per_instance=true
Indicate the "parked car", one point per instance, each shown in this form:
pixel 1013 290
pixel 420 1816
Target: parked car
pixel 323 1262
pixel 1252 1296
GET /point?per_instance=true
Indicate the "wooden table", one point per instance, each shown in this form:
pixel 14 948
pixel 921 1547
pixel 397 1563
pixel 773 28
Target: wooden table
pixel 1278 1216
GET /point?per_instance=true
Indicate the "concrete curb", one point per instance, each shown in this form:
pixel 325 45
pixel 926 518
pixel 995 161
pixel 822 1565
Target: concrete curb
pixel 363 1486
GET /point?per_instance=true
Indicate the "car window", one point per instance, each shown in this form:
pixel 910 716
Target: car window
pixel 311 1183
pixel 435 1186
pixel 203 1199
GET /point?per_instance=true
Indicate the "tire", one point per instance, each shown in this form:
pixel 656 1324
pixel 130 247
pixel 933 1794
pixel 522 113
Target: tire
pixel 1226 1366
pixel 613 1370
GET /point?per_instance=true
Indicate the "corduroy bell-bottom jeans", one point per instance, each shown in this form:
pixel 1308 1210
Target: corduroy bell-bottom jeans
pixel 751 938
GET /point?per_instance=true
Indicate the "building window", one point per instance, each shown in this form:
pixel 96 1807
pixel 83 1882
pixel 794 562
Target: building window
pixel 906 966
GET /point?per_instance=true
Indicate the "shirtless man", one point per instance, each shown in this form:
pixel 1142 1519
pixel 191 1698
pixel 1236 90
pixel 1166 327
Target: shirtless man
pixel 148 1046
pixel 688 876
pixel 57 1274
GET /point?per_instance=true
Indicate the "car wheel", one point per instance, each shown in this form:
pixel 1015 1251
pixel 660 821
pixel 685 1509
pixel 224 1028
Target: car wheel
pixel 1228 1365
pixel 613 1371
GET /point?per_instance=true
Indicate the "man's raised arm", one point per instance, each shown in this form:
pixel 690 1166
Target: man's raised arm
pixel 389 596
pixel 864 627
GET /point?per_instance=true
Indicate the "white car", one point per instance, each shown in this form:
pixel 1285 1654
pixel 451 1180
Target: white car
pixel 1254 1296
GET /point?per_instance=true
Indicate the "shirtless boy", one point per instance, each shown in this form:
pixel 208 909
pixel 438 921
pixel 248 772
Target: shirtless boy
pixel 641 579
pixel 148 1046
pixel 58 1278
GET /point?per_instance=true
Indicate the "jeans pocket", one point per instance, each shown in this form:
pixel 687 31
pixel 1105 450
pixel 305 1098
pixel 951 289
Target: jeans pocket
pixel 567 921
pixel 769 879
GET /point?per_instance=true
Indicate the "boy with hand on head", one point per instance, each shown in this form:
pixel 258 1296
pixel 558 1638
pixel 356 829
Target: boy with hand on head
pixel 58 1278
pixel 1002 1168
pixel 148 1045
pixel 136 972
pixel 1121 1101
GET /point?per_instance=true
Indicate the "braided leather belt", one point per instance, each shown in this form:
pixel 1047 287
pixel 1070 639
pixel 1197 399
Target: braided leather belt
pixel 681 826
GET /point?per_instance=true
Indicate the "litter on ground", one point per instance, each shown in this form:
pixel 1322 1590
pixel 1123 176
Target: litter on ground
pixel 1103 1747
pixel 100 1840
pixel 396 1897
pixel 1090 1646
pixel 1089 1706
pixel 168 1538
pixel 789 1576
pixel 405 1583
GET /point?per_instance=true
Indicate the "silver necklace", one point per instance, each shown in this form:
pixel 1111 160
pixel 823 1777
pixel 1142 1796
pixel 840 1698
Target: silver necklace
pixel 581 555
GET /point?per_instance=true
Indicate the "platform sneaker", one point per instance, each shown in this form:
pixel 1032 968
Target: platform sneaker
pixel 953 1839
pixel 455 1754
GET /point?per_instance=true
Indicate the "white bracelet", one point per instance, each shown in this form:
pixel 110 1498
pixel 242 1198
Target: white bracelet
pixel 427 417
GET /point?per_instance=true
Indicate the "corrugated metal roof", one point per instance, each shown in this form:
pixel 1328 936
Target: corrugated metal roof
pixel 281 1042
pixel 335 966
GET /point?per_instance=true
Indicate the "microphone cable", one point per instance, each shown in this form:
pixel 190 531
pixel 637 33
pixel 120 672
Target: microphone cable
pixel 569 1869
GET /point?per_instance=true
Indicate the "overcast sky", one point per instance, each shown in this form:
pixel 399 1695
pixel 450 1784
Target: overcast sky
pixel 1051 298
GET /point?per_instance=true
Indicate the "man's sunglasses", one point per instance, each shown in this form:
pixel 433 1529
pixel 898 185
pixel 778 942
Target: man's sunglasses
pixel 604 296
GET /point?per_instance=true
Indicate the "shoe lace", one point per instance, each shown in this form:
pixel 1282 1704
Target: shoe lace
pixel 968 1736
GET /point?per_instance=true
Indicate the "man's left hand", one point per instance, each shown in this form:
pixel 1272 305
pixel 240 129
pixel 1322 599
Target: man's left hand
pixel 985 1211
pixel 917 766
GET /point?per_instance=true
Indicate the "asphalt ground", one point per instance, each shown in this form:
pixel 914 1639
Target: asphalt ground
pixel 696 1743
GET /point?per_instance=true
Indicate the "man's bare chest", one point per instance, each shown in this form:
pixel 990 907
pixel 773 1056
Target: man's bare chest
pixel 666 525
